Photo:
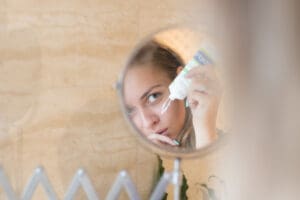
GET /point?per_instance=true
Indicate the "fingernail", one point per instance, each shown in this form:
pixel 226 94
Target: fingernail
pixel 176 142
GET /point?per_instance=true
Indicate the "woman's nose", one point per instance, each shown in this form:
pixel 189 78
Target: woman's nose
pixel 149 118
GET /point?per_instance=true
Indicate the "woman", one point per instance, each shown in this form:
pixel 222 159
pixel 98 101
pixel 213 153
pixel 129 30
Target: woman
pixel 146 82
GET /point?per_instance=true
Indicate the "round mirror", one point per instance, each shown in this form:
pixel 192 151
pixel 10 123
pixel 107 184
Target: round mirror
pixel 170 92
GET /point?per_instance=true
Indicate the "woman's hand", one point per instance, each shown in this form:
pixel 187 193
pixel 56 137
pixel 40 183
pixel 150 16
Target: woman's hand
pixel 204 97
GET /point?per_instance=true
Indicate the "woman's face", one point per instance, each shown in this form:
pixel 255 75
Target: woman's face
pixel 145 91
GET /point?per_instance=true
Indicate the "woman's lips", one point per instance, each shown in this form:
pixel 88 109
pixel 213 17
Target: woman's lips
pixel 162 132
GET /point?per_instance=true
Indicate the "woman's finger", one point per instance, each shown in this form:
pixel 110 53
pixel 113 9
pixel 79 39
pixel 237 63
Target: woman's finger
pixel 195 98
pixel 161 138
pixel 207 71
pixel 205 86
pixel 204 77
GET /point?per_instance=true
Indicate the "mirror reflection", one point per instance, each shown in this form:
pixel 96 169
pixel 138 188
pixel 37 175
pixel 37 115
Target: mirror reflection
pixel 171 92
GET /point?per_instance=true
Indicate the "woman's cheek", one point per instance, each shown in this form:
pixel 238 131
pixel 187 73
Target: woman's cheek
pixel 156 109
pixel 137 122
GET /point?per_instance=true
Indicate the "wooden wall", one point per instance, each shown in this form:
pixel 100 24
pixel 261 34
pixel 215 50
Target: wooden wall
pixel 59 61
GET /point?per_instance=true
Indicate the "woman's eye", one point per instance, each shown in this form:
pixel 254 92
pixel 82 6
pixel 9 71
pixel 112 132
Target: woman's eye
pixel 153 97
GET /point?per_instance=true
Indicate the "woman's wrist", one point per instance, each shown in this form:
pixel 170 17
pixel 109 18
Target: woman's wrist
pixel 205 134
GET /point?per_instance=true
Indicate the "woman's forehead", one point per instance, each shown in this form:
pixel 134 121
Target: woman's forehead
pixel 143 73
pixel 140 79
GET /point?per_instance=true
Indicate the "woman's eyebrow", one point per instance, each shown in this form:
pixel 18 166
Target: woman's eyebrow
pixel 149 90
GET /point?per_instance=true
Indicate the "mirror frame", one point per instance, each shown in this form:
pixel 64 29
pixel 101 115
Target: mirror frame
pixel 166 151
